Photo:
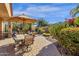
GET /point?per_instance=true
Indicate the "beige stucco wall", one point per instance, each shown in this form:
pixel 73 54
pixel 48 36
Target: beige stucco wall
pixel 8 8
pixel 5 11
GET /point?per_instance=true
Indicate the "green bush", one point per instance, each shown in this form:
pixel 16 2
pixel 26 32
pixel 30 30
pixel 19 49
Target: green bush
pixel 56 28
pixel 76 22
pixel 69 39
pixel 25 28
pixel 41 30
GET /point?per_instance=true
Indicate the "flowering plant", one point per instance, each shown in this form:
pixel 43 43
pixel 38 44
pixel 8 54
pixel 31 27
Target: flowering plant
pixel 69 39
pixel 70 21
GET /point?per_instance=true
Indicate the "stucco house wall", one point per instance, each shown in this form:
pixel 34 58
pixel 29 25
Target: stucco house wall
pixel 5 11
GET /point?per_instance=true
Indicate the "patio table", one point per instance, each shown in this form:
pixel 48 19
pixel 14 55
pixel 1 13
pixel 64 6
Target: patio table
pixel 19 41
pixel 23 42
pixel 20 37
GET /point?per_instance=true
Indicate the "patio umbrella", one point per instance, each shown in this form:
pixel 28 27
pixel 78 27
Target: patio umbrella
pixel 1 19
pixel 4 19
pixel 22 19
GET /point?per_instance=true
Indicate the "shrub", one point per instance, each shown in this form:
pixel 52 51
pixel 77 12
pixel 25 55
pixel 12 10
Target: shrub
pixel 69 39
pixel 25 28
pixel 41 30
pixel 42 22
pixel 56 28
pixel 76 21
pixel 46 34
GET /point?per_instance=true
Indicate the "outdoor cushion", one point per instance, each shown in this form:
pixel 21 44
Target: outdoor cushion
pixel 19 37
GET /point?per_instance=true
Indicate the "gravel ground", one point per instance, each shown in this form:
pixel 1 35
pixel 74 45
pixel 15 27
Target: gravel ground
pixel 41 47
pixel 7 47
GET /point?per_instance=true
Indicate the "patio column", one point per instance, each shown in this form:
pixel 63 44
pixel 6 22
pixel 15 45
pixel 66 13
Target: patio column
pixel 0 30
pixel 10 29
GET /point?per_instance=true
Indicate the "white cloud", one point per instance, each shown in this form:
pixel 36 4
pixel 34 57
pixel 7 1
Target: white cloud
pixel 39 11
pixel 29 13
pixel 17 12
pixel 43 8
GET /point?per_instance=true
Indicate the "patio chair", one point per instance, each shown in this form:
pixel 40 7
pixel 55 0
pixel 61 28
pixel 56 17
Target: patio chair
pixel 29 40
pixel 19 40
pixel 25 43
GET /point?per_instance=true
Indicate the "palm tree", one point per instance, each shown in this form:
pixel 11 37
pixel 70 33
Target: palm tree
pixel 74 11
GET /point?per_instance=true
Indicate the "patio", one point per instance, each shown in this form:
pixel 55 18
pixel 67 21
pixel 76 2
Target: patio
pixel 41 47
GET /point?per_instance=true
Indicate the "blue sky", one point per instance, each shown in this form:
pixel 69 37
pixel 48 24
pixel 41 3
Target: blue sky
pixel 51 12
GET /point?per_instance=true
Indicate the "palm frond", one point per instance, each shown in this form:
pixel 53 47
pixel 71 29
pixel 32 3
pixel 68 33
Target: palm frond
pixel 74 11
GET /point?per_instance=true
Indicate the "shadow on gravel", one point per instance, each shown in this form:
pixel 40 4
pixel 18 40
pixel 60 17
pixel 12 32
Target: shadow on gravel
pixel 49 50
pixel 7 50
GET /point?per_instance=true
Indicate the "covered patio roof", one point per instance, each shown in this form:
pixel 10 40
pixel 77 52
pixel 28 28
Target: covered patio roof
pixel 18 19
pixel 21 19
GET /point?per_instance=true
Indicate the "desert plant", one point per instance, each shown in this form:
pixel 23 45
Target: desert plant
pixel 76 21
pixel 15 26
pixel 25 28
pixel 69 39
pixel 56 28
pixel 41 30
